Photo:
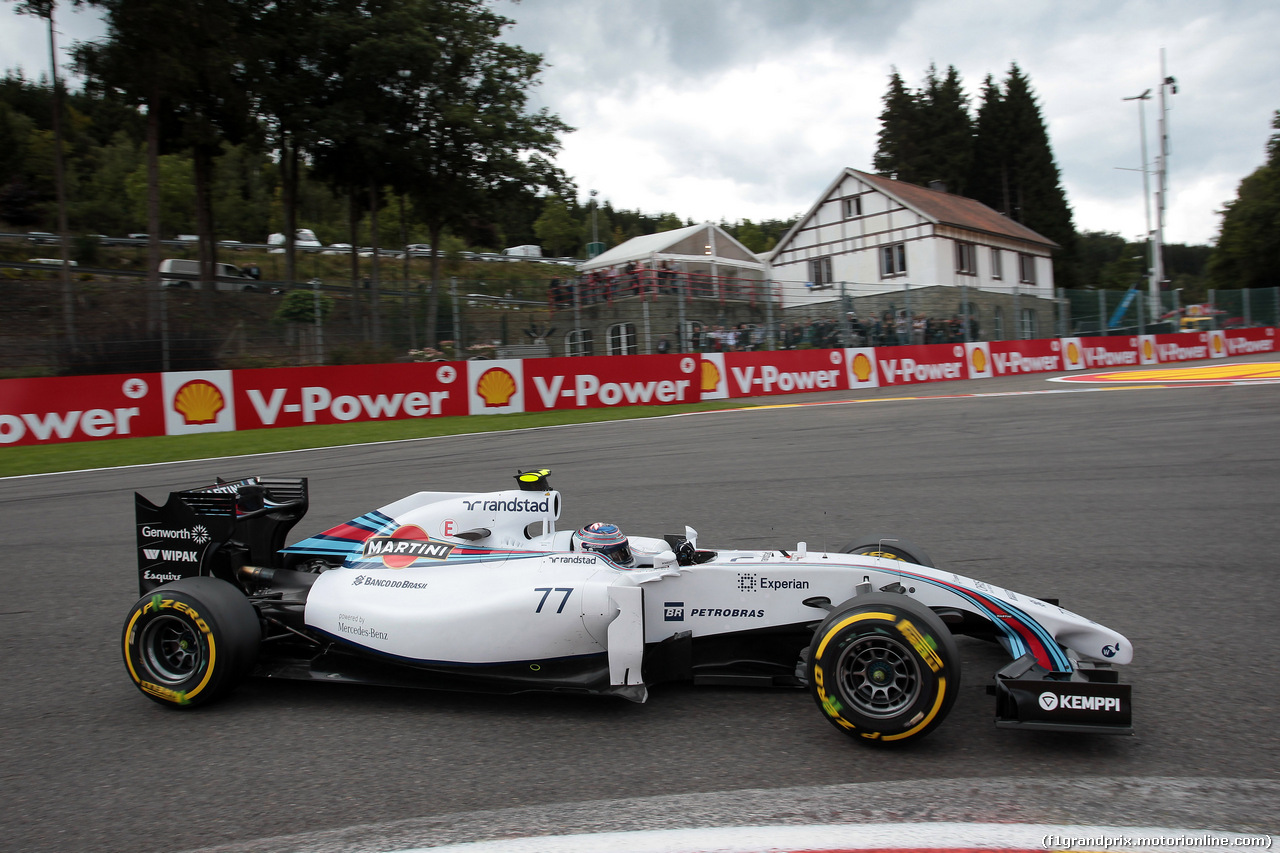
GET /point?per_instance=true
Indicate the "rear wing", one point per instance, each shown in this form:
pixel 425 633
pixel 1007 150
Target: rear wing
pixel 213 530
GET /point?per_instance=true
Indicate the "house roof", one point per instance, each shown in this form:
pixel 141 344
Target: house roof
pixel 948 209
pixel 667 245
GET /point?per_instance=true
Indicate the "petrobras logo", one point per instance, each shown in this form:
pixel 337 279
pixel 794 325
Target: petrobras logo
pixel 673 611
pixel 729 613
pixel 1054 702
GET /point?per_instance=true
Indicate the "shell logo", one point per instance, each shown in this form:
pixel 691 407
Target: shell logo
pixel 1148 351
pixel 496 386
pixel 979 360
pixel 1073 353
pixel 861 367
pixel 1217 343
pixel 710 376
pixel 199 402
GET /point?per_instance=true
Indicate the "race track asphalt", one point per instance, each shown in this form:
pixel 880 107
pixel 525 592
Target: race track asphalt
pixel 1153 511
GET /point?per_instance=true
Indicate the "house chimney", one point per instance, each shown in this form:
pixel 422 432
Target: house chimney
pixel 940 186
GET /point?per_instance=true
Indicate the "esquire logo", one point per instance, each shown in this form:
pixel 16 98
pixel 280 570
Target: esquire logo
pixel 753 583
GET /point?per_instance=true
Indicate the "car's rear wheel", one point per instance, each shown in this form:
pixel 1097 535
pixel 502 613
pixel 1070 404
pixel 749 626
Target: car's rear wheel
pixel 191 642
pixel 890 548
pixel 882 667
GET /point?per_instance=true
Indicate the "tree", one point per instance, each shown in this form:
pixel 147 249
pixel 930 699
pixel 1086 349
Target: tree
pixel 1014 170
pixel 926 136
pixel 898 150
pixel 469 145
pixel 946 132
pixel 1248 249
pixel 556 228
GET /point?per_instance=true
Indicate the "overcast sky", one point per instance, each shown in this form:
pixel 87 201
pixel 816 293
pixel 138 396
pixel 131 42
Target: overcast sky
pixel 748 109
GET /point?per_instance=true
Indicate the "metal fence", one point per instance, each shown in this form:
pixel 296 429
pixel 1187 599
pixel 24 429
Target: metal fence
pixel 1116 312
pixel 124 326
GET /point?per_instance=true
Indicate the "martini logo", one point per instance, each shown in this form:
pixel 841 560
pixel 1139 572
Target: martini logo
pixel 405 546
pixel 710 376
pixel 496 387
pixel 199 402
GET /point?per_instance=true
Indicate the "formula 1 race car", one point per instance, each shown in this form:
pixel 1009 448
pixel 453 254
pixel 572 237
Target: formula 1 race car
pixel 481 592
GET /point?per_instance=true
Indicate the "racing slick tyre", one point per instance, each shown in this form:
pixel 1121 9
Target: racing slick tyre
pixel 890 548
pixel 883 668
pixel 191 642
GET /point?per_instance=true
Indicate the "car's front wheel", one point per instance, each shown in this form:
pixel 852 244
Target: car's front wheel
pixel 882 667
pixel 190 642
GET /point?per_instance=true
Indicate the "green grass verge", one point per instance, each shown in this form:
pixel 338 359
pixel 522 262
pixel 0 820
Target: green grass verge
pixel 110 453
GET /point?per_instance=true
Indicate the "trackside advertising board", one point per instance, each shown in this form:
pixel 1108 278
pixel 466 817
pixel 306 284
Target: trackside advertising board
pixel 608 381
pixel 296 396
pixel 759 374
pixel 81 408
pixel 90 408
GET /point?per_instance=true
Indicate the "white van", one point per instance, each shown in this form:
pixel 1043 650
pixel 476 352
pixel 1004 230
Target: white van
pixel 523 252
pixel 230 276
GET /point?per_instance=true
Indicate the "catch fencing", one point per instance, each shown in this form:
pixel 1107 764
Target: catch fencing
pixel 106 325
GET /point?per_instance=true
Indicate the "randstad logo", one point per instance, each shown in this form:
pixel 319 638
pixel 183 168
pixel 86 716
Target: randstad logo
pixel 199 402
pixel 710 376
pixel 496 387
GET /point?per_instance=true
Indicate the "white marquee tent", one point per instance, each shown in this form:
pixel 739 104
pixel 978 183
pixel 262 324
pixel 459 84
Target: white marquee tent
pixel 705 248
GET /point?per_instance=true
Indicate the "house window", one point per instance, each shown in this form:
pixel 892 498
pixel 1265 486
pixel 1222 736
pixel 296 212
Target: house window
pixel 622 339
pixel 578 342
pixel 997 264
pixel 997 324
pixel 966 259
pixel 1027 269
pixel 853 207
pixel 1028 324
pixel 820 276
pixel 893 260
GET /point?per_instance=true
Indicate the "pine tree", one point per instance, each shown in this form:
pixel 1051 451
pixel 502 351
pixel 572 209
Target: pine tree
pixel 897 154
pixel 1014 169
pixel 946 132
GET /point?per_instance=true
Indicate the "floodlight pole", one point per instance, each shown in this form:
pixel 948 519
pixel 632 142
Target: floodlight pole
pixel 1153 286
pixel 1170 85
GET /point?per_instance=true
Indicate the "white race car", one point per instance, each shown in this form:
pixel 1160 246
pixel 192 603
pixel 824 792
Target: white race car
pixel 480 591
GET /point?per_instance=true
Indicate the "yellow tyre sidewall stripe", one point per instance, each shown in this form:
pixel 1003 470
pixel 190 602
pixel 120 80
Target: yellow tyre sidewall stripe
pixel 128 656
pixel 892 619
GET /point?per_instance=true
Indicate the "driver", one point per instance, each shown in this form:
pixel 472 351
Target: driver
pixel 606 539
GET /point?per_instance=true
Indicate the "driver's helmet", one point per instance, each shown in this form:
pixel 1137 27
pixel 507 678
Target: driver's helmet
pixel 605 539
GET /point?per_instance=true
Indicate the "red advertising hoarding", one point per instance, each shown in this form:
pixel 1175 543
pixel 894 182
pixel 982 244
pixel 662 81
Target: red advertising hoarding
pixel 80 408
pixel 1014 358
pixel 607 381
pixel 297 396
pixel 914 364
pixel 760 374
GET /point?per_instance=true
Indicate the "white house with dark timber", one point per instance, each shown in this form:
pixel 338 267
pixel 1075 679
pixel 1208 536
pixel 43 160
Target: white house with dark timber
pixel 869 234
